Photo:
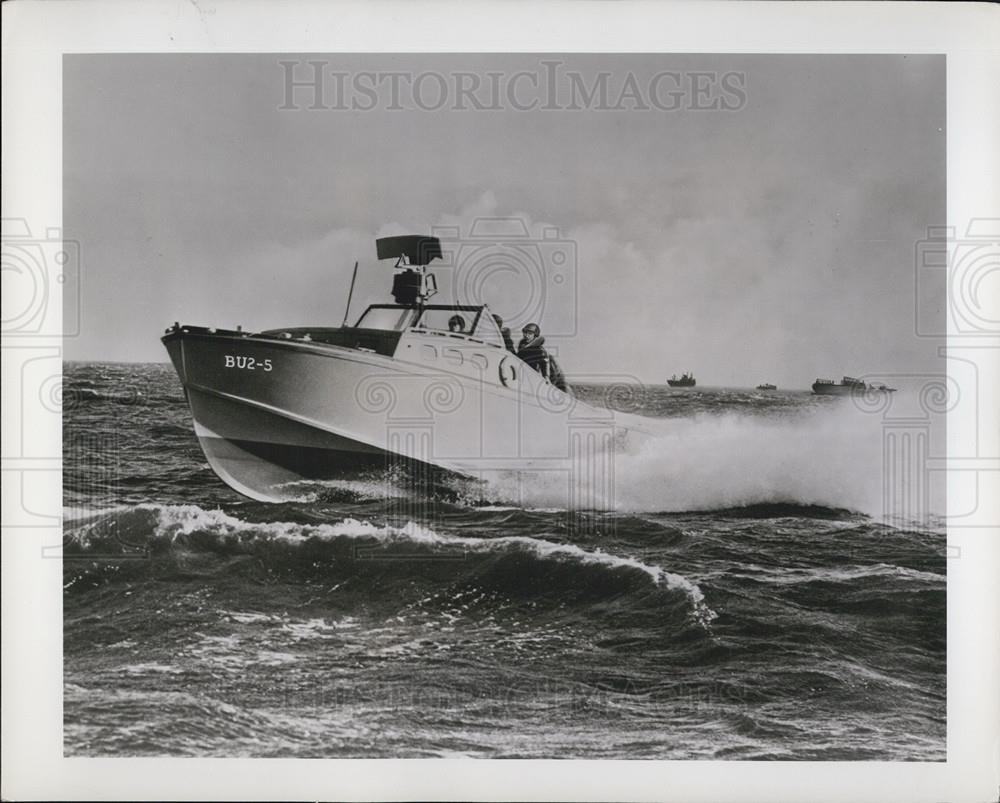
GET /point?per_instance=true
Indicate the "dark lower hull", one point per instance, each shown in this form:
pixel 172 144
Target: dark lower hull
pixel 271 453
pixel 679 384
pixel 262 452
pixel 312 462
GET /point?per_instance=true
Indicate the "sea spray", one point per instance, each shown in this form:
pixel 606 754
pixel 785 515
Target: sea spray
pixel 829 457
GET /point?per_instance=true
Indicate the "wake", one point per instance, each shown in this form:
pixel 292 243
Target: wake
pixel 830 458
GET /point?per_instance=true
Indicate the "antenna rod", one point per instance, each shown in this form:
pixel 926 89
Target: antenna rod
pixel 350 293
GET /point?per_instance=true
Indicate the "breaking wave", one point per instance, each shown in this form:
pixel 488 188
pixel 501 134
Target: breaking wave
pixel 188 540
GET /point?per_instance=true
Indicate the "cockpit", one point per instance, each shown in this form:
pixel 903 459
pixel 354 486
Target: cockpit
pixel 476 322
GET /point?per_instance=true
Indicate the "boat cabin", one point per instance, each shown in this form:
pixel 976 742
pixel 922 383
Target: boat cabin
pixel 413 286
pixel 461 336
pixel 381 326
pixel 446 320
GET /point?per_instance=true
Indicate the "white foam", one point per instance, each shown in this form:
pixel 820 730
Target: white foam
pixel 80 515
pixel 785 576
pixel 175 520
pixel 381 488
pixel 831 457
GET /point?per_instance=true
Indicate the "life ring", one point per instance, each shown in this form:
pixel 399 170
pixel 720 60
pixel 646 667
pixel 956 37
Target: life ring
pixel 508 372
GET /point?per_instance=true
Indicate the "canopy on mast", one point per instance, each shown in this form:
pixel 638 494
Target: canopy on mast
pixel 417 248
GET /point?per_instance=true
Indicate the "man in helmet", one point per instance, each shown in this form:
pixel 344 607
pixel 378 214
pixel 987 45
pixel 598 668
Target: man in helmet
pixel 531 349
pixel 456 323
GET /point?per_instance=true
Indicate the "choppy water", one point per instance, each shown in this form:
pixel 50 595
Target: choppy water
pixel 739 603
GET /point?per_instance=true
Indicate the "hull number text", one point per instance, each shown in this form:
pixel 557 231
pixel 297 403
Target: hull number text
pixel 247 363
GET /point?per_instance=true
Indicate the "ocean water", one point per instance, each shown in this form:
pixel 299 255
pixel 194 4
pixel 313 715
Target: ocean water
pixel 743 599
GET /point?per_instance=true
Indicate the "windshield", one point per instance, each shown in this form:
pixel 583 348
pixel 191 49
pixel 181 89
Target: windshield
pixel 488 331
pixel 448 319
pixel 457 319
pixel 385 317
pixel 475 322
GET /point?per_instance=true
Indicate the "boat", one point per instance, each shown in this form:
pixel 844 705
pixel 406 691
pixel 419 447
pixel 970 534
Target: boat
pixel 411 384
pixel 686 381
pixel 767 386
pixel 848 385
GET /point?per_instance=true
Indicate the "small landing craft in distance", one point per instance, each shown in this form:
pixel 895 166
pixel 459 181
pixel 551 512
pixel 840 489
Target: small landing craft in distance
pixel 686 381
pixel 410 383
pixel 847 386
pixel 767 386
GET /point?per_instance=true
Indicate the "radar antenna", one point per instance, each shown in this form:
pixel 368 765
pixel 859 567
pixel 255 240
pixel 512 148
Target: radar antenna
pixel 411 287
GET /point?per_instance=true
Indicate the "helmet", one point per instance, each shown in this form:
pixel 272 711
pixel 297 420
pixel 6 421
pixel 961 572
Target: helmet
pixel 531 327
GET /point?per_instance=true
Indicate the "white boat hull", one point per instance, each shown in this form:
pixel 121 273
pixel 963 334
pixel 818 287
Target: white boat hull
pixel 272 410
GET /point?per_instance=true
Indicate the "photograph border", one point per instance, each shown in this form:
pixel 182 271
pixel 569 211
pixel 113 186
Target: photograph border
pixel 36 37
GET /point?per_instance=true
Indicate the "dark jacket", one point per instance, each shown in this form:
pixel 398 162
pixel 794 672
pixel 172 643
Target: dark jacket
pixel 507 340
pixel 534 354
pixel 556 376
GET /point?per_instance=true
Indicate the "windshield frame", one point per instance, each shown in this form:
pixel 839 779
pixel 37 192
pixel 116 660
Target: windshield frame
pixel 413 322
pixel 449 308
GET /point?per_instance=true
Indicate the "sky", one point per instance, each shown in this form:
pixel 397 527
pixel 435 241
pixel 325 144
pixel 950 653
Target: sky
pixel 772 240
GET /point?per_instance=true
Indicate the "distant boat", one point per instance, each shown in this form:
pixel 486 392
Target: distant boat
pixel 847 386
pixel 686 381
pixel 767 386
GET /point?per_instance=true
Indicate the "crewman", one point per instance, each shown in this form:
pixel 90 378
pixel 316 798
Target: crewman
pixel 508 341
pixel 531 349
pixel 456 323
